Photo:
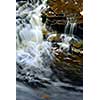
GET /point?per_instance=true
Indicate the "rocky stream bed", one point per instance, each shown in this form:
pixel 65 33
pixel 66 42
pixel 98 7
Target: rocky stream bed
pixel 49 51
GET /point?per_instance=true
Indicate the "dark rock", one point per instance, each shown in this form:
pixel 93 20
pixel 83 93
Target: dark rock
pixel 69 65
pixel 57 22
pixel 79 31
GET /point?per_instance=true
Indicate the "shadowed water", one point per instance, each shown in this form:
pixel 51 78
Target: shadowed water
pixel 24 92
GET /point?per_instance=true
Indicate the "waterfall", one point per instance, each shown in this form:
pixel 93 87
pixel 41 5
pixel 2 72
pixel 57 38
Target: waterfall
pixel 69 28
pixel 34 62
pixel 72 27
pixel 33 54
pixel 28 23
pixel 68 35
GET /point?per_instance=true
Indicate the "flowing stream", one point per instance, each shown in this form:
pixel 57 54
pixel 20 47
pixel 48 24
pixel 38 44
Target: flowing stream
pixel 34 56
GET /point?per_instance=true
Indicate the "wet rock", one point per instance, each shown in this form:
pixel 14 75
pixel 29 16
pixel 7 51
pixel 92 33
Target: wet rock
pixel 69 64
pixel 59 13
pixel 79 31
pixel 57 23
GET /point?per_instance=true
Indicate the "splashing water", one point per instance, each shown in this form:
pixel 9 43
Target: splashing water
pixel 28 24
pixel 34 55
pixel 68 34
pixel 33 62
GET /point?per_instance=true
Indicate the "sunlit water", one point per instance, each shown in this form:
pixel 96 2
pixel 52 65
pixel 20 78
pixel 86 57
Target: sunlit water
pixel 34 57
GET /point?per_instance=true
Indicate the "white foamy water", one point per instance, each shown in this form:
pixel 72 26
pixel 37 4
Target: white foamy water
pixel 28 23
pixel 34 60
pixel 68 35
pixel 33 55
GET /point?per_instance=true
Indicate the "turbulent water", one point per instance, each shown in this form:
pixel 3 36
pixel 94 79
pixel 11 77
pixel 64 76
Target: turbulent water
pixel 34 56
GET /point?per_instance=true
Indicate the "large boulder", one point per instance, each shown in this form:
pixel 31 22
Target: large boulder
pixel 68 64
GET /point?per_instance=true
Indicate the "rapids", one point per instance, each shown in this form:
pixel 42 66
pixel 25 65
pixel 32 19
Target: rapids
pixel 34 57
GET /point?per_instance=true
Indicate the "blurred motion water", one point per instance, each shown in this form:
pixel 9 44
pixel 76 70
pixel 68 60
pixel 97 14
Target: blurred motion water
pixel 34 56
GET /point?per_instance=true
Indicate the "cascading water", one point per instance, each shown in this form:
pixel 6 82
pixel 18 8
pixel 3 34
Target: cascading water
pixel 68 35
pixel 34 55
pixel 72 27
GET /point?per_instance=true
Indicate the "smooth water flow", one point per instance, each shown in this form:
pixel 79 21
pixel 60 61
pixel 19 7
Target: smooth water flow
pixel 69 28
pixel 72 28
